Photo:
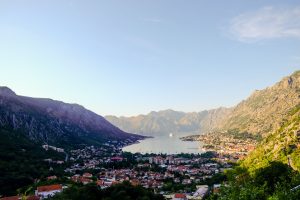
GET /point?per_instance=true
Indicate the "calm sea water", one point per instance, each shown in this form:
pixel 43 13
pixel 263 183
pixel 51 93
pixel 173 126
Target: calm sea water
pixel 165 144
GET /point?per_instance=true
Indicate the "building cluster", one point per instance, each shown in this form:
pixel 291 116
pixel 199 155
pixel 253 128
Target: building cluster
pixel 87 165
pixel 201 193
pixel 91 157
pixel 41 192
pixel 227 144
pixel 183 171
pixel 47 147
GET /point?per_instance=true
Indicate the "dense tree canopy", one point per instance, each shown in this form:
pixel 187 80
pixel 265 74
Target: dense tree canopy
pixel 275 181
pixel 124 191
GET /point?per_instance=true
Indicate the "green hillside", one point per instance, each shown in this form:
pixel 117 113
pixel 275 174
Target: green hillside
pixel 21 161
pixel 282 145
pixel 272 170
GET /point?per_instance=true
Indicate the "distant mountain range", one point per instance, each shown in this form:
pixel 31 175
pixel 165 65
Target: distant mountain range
pixel 170 121
pixel 261 113
pixel 54 122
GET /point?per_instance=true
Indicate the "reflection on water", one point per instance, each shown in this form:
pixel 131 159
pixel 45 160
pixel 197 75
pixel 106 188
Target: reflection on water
pixel 169 144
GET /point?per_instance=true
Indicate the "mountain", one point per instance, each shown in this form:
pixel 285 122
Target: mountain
pixel 281 145
pixel 54 122
pixel 26 123
pixel 169 121
pixel 271 170
pixel 273 113
pixel 260 114
pixel 263 111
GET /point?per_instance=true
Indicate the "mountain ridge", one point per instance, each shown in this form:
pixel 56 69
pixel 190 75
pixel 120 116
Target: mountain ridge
pixel 50 121
pixel 281 145
pixel 167 121
pixel 260 113
pixel 27 123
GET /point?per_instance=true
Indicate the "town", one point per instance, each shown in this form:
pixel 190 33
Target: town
pixel 236 145
pixel 179 176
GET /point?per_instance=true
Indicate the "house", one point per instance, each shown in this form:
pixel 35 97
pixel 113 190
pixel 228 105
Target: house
pixel 87 175
pixel 216 188
pixel 100 183
pixel 186 181
pixel 51 178
pixel 202 191
pixel 48 191
pixel 168 196
pixel 179 196
pixel 151 160
pixel 75 178
pixel 116 159
pixel 170 159
pixel 159 160
pixel 85 181
pixel 60 150
pixel 107 184
pixel 135 182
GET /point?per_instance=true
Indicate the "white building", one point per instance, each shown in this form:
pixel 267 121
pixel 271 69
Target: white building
pixel 48 191
pixel 202 190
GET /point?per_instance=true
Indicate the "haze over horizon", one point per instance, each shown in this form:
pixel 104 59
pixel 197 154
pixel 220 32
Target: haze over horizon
pixel 124 59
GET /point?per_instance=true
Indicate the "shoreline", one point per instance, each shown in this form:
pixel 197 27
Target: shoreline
pixel 174 146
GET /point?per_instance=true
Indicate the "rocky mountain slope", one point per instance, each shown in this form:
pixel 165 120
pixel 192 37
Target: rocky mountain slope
pixel 281 145
pixel 55 122
pixel 273 113
pixel 169 121
pixel 261 114
pixel 264 110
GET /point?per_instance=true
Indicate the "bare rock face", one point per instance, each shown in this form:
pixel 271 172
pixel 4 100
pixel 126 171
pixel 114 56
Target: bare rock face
pixel 50 121
pixel 264 110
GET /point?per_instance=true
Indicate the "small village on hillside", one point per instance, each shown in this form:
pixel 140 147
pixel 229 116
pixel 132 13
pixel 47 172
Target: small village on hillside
pixel 223 143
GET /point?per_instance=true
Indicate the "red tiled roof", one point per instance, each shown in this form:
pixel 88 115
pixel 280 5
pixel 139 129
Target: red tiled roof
pixel 115 182
pixel 48 188
pixel 85 180
pixel 135 182
pixel 87 175
pixel 51 177
pixel 180 196
pixel 116 158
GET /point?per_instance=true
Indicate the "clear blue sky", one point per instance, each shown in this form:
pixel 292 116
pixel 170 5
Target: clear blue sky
pixel 130 57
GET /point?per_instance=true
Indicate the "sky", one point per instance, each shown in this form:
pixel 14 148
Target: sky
pixel 130 57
